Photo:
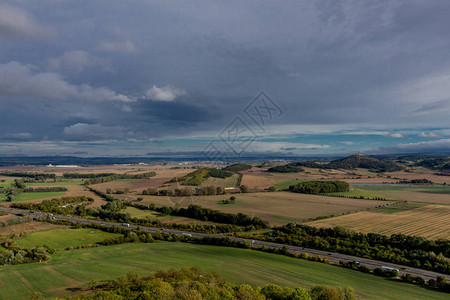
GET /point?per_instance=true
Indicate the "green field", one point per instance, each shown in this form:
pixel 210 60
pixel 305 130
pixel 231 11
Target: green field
pixel 285 184
pixel 357 192
pixel 56 183
pixel 32 196
pixel 127 180
pixel 6 183
pixel 63 238
pixel 74 269
pixel 420 188
pixel 37 195
pixel 396 208
pixel 139 213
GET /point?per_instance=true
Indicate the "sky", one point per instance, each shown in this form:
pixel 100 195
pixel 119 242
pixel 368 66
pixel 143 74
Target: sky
pixel 171 78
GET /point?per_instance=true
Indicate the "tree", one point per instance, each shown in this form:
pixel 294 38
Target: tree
pixel 219 190
pixel 211 190
pixel 300 294
pixel 93 284
pixel 272 291
pixel 244 189
pixel 441 282
pixel 10 198
pixel 322 292
pixel 19 184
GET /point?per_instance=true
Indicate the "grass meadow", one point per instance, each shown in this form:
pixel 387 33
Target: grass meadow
pixel 63 238
pixel 74 269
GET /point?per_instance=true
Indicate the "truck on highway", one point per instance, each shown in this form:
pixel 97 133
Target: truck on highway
pixel 389 269
pixel 126 224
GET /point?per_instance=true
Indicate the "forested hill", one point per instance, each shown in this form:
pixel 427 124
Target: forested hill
pixel 365 162
pixel 351 162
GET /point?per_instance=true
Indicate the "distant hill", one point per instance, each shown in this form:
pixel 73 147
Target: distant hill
pixel 350 162
pixel 289 168
pixel 237 167
pixel 435 163
pixel 364 162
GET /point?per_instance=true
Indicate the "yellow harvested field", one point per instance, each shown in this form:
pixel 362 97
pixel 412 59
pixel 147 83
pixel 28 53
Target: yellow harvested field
pixel 256 182
pixel 29 227
pixel 6 217
pixel 276 207
pixel 430 221
pixel 231 181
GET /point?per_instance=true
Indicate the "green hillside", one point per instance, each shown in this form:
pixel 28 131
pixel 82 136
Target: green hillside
pixel 199 176
pixel 76 268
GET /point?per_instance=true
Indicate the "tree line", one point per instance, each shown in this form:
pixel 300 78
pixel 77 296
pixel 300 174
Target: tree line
pixel 319 187
pixel 34 175
pixel 192 283
pixel 206 214
pixel 107 177
pixel 401 249
pixel 64 205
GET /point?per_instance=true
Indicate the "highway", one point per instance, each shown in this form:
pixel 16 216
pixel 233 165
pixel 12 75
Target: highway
pixel 331 256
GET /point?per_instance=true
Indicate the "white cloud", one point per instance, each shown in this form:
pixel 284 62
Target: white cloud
pixel 283 146
pixel 123 47
pixel 431 146
pixel 166 93
pixel 367 132
pixel 101 94
pixel 430 135
pixel 16 22
pixel 425 94
pixel 394 135
pixel 18 80
pixel 78 60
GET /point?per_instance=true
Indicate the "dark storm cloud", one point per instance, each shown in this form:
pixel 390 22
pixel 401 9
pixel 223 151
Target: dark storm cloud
pixel 178 113
pixel 147 69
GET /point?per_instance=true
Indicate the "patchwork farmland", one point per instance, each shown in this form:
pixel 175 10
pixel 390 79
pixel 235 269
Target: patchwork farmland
pixel 276 207
pixel 429 221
